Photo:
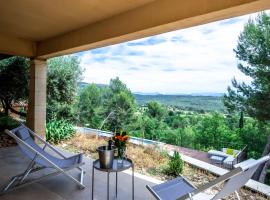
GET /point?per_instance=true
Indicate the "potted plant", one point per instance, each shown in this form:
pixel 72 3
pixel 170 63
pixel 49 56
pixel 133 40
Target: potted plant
pixel 120 139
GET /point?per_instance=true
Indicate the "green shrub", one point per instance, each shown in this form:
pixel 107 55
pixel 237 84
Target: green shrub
pixel 7 122
pixel 175 165
pixel 57 131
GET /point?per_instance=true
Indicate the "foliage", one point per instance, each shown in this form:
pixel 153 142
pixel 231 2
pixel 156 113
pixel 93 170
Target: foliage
pixel 254 135
pixel 155 110
pixel 196 103
pixel 14 78
pixel 241 120
pixel 172 125
pixel 175 165
pixel 57 131
pixel 89 106
pixel 58 111
pixel 63 74
pixel 62 77
pixel 253 50
pixel 212 131
pixel 119 101
pixel 7 122
pixel 202 131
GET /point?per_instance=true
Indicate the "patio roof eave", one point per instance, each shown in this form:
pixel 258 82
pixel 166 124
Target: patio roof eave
pixel 150 18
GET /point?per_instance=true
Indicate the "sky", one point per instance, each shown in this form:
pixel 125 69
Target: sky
pixel 193 60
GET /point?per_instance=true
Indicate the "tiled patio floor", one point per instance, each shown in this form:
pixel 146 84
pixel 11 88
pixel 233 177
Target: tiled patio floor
pixel 59 187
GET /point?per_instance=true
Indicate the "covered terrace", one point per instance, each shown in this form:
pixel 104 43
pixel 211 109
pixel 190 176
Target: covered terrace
pixel 40 30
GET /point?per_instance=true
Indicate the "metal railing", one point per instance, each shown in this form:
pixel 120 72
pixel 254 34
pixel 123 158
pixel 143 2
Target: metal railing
pixel 134 140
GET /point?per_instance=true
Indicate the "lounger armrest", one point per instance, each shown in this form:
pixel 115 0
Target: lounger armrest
pixel 251 163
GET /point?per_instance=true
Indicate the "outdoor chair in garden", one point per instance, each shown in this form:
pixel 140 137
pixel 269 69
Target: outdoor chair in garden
pixel 42 156
pixel 181 189
pixel 232 160
pixel 227 157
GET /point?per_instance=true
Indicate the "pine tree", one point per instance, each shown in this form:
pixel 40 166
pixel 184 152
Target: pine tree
pixel 253 52
pixel 241 120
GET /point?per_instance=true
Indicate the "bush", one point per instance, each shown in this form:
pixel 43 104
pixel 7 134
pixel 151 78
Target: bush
pixel 175 165
pixel 57 131
pixel 7 122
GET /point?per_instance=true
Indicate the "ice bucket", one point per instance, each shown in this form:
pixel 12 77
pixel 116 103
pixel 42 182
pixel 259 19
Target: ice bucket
pixel 106 156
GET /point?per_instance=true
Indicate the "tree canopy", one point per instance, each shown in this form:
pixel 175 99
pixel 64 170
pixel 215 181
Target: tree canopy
pixel 155 110
pixel 14 79
pixel 253 53
pixel 120 102
pixel 89 106
pixel 62 77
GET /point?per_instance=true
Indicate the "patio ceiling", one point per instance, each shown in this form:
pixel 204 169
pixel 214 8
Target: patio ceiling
pixel 43 29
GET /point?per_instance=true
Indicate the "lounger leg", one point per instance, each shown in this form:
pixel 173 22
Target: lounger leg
pixel 10 183
pixel 81 179
pixel 28 169
pixel 93 182
pixel 74 180
pixel 21 176
pixel 79 168
pixel 237 195
pixel 190 196
pixel 116 185
pixel 108 185
pixel 25 175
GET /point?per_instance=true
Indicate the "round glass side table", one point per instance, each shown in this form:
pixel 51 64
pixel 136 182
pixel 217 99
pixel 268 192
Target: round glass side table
pixel 127 163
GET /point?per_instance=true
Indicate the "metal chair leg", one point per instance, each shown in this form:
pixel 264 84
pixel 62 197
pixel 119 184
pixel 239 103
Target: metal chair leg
pixel 10 183
pixel 237 195
pixel 25 175
pixel 82 176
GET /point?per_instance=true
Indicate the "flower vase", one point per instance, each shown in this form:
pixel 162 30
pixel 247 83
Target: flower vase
pixel 121 155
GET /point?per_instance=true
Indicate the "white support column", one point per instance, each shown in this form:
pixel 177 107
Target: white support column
pixel 36 115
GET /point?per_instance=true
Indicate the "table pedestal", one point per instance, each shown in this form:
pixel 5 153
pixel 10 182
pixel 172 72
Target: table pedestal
pixel 116 168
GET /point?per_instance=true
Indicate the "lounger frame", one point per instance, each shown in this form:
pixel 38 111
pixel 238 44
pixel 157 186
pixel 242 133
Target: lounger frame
pixel 232 180
pixel 19 180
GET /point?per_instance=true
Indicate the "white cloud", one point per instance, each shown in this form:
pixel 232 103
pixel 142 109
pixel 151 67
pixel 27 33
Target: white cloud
pixel 198 59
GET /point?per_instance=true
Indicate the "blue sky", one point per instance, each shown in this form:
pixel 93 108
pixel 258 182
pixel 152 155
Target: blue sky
pixel 192 60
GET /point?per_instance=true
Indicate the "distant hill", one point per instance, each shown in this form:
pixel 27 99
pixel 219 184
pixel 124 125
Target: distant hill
pixel 82 85
pixel 214 94
pixel 187 102
pixel 196 101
